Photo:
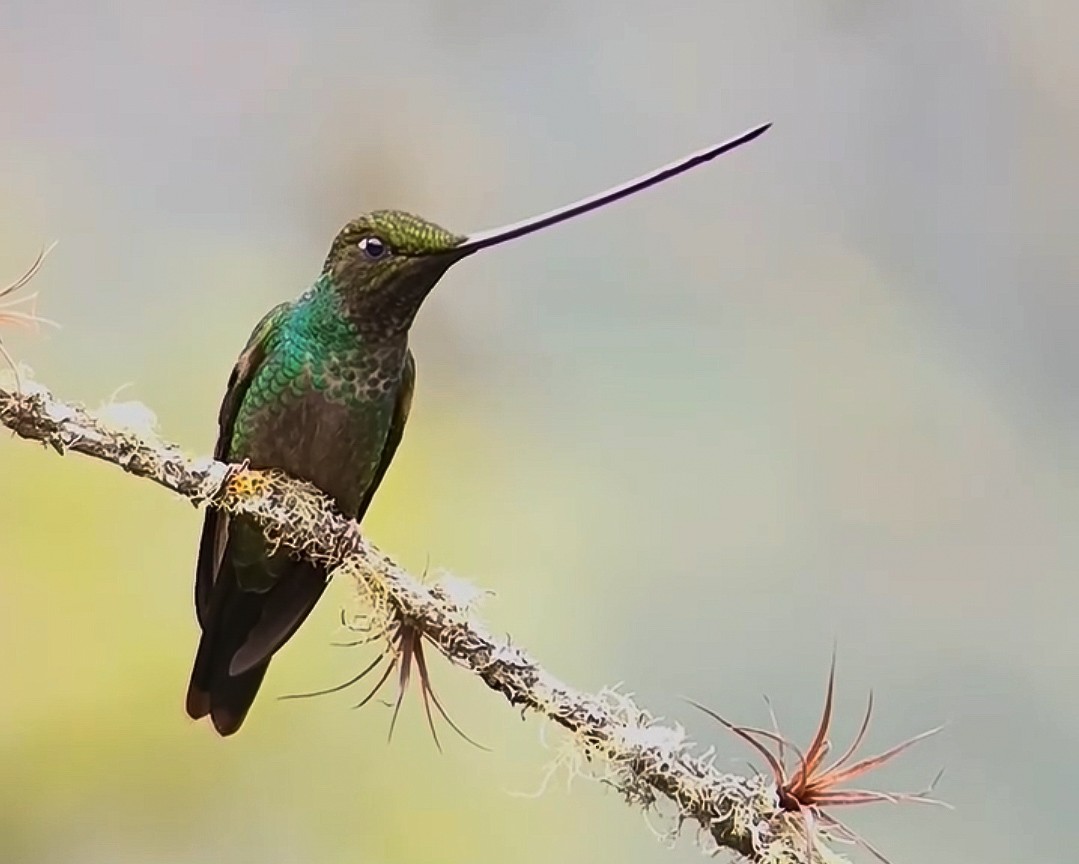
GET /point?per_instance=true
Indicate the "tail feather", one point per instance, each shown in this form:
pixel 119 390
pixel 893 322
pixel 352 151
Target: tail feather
pixel 241 632
pixel 225 698
pixel 281 611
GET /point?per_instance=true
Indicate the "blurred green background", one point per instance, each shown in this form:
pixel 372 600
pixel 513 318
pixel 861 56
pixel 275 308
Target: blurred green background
pixel 821 390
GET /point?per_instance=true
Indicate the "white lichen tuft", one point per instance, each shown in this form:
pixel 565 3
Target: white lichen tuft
pixel 464 595
pixel 214 474
pixel 567 760
pixel 371 613
pixel 132 416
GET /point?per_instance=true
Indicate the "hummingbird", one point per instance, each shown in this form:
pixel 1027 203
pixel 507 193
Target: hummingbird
pixel 322 391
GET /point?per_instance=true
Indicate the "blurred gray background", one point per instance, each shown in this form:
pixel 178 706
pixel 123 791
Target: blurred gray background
pixel 820 391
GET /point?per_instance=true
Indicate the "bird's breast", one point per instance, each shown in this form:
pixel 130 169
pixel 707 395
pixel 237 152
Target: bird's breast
pixel 329 429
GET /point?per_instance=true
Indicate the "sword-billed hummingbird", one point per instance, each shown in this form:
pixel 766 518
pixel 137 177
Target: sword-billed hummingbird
pixel 322 392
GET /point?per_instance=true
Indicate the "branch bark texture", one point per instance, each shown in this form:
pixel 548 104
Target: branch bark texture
pixel 646 761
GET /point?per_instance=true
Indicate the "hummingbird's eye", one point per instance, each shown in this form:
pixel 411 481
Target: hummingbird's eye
pixel 373 248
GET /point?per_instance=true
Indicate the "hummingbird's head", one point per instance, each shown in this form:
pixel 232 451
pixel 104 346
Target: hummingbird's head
pixel 386 262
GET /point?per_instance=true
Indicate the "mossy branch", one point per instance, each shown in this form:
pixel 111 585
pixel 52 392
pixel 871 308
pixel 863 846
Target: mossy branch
pixel 646 761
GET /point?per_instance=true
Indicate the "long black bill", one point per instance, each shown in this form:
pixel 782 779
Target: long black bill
pixel 483 239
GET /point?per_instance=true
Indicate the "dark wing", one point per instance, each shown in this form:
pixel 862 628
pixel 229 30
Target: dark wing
pixel 397 429
pixel 215 525
pixel 242 629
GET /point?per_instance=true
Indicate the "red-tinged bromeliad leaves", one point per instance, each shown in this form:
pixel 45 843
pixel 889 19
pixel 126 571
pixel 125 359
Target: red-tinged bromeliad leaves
pixel 806 786
pixel 405 648
pixel 10 313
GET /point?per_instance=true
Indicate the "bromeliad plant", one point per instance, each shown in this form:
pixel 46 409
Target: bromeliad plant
pixel 21 317
pixel 403 651
pixel 405 647
pixel 807 787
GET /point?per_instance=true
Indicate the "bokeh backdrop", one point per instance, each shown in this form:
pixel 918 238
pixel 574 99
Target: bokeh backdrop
pixel 820 391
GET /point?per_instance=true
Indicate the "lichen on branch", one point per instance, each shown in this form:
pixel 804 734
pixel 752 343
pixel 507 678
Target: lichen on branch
pixel 648 762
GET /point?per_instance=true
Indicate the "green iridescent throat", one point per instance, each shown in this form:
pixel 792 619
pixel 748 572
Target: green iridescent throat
pixel 315 345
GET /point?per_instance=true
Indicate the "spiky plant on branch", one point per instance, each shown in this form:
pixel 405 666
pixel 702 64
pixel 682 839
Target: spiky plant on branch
pixel 26 316
pixel 403 646
pixel 805 787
